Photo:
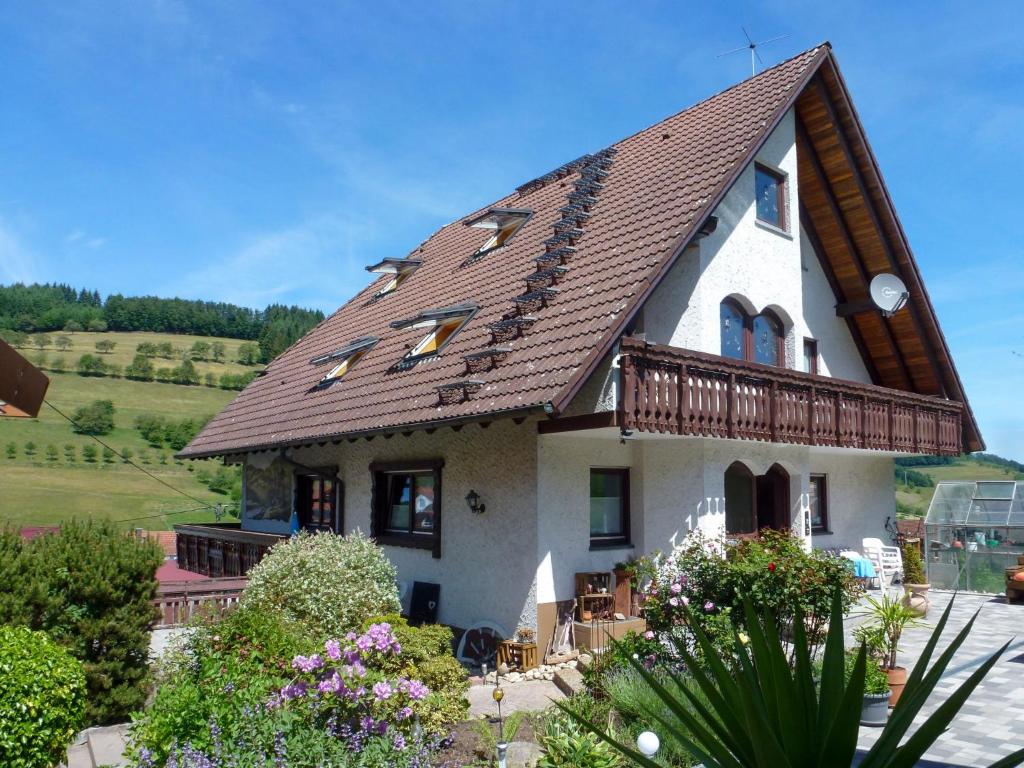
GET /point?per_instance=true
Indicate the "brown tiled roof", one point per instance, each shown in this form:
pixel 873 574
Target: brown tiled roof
pixel 653 188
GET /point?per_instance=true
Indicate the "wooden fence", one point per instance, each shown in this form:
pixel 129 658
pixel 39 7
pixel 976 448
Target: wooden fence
pixel 180 601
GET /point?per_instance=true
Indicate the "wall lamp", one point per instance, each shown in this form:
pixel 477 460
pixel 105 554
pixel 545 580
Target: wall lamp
pixel 473 500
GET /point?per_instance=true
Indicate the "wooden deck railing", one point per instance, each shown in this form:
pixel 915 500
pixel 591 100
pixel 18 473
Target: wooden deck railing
pixel 672 390
pixel 221 550
pixel 179 601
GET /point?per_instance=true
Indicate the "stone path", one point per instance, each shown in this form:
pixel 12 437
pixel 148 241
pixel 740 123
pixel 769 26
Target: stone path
pixel 101 746
pixel 991 724
pixel 528 695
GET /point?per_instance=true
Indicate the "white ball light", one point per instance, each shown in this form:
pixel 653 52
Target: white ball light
pixel 648 743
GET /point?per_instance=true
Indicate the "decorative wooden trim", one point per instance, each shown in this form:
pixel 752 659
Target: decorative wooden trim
pixel 750 401
pixel 584 421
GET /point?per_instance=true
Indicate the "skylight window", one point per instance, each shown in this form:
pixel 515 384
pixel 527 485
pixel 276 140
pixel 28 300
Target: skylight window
pixel 442 323
pixel 342 360
pixel 400 269
pixel 504 222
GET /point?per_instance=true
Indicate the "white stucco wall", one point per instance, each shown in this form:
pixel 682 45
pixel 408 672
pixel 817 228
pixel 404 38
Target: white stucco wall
pixel 487 564
pixel 762 267
pixel 862 493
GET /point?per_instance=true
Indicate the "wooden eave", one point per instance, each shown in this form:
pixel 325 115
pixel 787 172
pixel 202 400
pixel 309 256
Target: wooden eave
pixel 848 215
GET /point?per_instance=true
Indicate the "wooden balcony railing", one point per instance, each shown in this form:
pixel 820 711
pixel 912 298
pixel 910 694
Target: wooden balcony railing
pixel 178 602
pixel 218 550
pixel 666 389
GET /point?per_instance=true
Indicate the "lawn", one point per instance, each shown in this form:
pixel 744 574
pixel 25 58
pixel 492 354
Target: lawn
pixel 964 469
pixel 37 491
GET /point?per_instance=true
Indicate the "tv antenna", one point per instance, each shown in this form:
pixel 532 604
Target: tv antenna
pixel 752 46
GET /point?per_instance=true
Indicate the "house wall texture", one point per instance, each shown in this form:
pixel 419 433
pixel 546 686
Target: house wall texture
pixel 760 266
pixel 488 562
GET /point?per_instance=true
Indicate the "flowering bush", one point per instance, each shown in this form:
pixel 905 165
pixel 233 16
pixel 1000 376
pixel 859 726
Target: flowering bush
pixel 704 580
pixel 337 708
pixel 42 699
pixel 300 579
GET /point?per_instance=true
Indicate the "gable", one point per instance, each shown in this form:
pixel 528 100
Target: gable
pixel 601 234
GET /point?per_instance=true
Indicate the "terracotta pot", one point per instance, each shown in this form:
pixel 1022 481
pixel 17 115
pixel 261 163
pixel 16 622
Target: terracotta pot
pixel 916 598
pixel 897 680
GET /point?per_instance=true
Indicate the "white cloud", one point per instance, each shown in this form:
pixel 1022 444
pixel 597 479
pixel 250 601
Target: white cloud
pixel 311 258
pixel 17 264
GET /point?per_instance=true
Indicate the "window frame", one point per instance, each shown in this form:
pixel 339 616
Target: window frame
pixel 749 345
pixel 336 500
pixel 813 344
pixel 781 196
pixel 821 480
pixel 412 356
pixel 620 540
pixel 381 473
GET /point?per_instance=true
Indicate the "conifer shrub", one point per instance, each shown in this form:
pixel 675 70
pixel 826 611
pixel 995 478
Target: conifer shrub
pixel 42 699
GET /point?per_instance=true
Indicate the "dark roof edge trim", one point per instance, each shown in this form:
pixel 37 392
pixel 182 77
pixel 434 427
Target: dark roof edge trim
pixel 356 345
pixel 510 413
pixel 442 313
pixel 579 378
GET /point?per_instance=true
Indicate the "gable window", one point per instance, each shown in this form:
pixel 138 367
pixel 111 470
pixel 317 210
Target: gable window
pixel 407 504
pixel 342 360
pixel 317 501
pixel 609 507
pixel 770 193
pixel 442 325
pixel 504 223
pixel 810 356
pixel 399 269
pixel 757 338
pixel 817 498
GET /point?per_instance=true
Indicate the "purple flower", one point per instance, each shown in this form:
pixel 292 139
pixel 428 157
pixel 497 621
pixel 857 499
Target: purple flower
pixel 293 691
pixel 404 713
pixel 399 742
pixel 333 649
pixel 417 690
pixel 382 691
pixel 307 663
pixel 709 607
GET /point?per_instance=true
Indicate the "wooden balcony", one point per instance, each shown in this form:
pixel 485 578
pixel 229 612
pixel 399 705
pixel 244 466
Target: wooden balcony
pixel 221 549
pixel 675 391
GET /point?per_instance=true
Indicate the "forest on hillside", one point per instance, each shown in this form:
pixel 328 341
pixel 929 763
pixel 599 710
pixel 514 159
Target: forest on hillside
pixel 54 307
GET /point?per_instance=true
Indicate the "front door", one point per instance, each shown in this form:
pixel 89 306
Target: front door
pixel 773 500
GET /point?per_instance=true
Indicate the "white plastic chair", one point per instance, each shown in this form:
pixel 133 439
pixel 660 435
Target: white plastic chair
pixel 852 554
pixel 887 560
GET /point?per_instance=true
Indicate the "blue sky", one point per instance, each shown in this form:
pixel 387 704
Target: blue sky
pixel 261 152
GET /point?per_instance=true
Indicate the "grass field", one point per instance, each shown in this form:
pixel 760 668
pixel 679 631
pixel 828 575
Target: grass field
pixel 35 491
pixel 964 469
pixel 84 342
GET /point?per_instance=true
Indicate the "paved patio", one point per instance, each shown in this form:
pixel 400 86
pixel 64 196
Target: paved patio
pixel 991 724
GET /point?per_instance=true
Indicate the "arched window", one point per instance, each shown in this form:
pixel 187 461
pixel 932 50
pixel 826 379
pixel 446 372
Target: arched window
pixel 740 496
pixel 757 338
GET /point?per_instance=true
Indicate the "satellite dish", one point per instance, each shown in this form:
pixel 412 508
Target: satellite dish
pixel 888 293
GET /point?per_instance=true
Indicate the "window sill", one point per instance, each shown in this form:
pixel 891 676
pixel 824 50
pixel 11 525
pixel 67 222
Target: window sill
pixel 616 544
pixel 820 532
pixel 408 541
pixel 774 229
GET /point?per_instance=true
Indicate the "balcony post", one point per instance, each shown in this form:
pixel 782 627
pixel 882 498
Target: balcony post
pixel 773 411
pixel 730 415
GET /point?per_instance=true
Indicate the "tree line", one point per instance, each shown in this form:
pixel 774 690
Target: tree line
pixel 57 307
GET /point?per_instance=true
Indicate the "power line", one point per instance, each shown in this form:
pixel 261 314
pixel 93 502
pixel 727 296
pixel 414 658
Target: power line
pixel 205 505
pixel 163 514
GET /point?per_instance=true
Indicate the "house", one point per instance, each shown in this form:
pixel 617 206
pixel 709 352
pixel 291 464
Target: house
pixel 668 334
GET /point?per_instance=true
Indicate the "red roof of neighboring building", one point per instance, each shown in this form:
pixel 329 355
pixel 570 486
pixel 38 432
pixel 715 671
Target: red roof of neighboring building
pixel 645 199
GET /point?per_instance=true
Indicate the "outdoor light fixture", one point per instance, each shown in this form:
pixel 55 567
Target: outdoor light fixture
pixel 648 743
pixel 473 500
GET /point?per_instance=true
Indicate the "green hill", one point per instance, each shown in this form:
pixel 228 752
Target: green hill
pixel 42 489
pixel 913 500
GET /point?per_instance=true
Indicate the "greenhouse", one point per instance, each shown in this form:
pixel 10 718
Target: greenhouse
pixel 973 532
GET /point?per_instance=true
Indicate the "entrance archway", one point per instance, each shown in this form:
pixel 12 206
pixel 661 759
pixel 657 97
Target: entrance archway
pixel 753 503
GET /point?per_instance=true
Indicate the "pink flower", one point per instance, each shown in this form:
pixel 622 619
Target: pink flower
pixel 685 599
pixel 649 635
pixel 674 602
pixel 709 607
pixel 677 588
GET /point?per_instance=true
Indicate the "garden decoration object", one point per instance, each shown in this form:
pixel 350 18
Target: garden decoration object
pixel 889 618
pixel 915 583
pixel 766 712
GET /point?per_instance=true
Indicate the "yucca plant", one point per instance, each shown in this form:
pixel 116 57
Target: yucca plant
pixel 764 713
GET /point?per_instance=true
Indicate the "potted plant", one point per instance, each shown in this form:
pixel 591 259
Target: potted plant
pixel 882 633
pixel 874 709
pixel 915 583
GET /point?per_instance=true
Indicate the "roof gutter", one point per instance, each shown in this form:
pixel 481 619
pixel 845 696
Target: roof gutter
pixel 583 373
pixel 455 421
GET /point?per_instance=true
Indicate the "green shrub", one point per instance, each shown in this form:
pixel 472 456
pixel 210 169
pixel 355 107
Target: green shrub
pixel 90 587
pixel 330 584
pixel 567 745
pixel 427 656
pixel 42 699
pixel 221 672
pixel 97 418
pixel 913 567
